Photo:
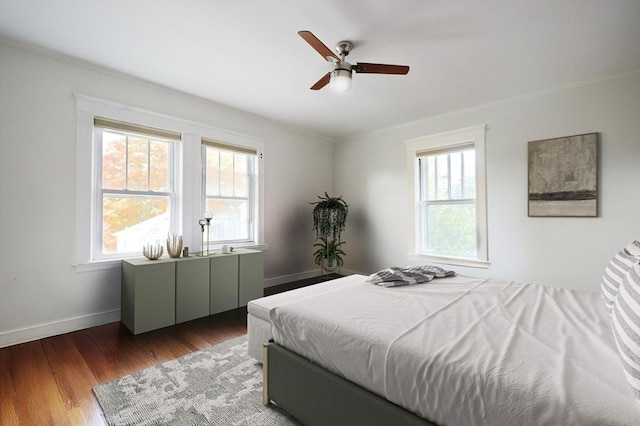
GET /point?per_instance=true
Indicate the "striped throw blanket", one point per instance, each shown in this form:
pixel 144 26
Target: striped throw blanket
pixel 398 276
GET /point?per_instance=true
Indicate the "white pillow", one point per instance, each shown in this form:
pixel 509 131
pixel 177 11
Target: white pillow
pixel 625 321
pixel 616 270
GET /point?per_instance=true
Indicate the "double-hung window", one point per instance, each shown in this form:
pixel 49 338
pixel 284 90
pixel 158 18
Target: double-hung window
pixel 135 183
pixel 142 175
pixel 230 192
pixel 448 209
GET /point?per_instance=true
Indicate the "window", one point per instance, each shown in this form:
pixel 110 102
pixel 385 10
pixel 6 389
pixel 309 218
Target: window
pixel 229 191
pixel 135 198
pixel 448 212
pixel 139 176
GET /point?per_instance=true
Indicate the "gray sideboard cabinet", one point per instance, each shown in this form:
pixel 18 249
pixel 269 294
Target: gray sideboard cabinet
pixel 236 278
pixel 148 299
pixel 192 288
pixel 251 277
pixel 163 292
pixel 224 283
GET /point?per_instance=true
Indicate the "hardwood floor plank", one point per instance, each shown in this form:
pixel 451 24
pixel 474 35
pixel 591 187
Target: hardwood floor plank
pixel 111 351
pixel 74 378
pixel 8 395
pixel 76 416
pixel 8 413
pixel 38 401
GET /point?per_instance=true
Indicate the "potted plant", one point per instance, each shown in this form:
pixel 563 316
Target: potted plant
pixel 329 220
pixel 329 254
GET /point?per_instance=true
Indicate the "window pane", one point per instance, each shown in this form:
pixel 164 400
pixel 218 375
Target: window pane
pixel 431 177
pixel 159 167
pixel 456 175
pixel 442 183
pixel 131 222
pixel 230 219
pixel 138 164
pixel 213 171
pixel 422 225
pixel 114 149
pixel 422 170
pixel 241 184
pixel 226 173
pixel 470 174
pixel 451 229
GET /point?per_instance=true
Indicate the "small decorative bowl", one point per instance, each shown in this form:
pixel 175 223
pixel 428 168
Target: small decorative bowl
pixel 152 252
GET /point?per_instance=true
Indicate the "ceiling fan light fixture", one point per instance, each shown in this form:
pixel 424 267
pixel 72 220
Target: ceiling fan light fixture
pixel 340 80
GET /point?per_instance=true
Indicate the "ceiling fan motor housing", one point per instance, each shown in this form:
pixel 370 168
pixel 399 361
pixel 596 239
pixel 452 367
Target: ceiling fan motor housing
pixel 343 48
pixel 343 66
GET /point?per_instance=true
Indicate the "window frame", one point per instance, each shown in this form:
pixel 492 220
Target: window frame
pixel 188 171
pixel 469 136
pixel 251 197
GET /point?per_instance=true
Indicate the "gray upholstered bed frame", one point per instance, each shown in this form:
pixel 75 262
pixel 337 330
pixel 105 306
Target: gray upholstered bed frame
pixel 316 396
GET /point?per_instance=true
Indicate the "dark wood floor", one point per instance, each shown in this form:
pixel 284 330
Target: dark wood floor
pixel 50 381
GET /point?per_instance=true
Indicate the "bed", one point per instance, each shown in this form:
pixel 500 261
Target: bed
pixel 454 351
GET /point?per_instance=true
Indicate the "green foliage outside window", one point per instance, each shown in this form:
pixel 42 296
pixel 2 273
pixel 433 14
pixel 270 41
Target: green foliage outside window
pixel 451 230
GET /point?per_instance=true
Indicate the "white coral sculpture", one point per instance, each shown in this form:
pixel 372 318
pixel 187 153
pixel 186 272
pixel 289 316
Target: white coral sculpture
pixel 152 252
pixel 174 245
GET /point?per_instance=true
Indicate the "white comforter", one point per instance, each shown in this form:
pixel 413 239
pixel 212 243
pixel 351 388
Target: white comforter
pixel 466 351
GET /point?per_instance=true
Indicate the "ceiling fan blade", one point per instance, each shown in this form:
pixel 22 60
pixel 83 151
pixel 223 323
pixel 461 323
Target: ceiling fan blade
pixel 319 46
pixel 322 82
pixel 365 67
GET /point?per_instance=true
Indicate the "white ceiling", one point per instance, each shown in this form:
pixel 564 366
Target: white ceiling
pixel 247 54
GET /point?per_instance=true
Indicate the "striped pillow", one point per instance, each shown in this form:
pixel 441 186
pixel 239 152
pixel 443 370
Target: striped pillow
pixel 625 322
pixel 615 271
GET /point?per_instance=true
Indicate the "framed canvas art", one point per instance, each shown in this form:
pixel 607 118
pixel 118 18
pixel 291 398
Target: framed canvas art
pixel 563 176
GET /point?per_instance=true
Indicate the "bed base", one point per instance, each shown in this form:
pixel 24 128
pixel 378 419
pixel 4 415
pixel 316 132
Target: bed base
pixel 315 396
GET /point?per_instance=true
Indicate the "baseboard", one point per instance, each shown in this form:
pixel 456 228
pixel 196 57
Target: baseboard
pixel 270 282
pixel 28 334
pixel 350 272
pixel 284 279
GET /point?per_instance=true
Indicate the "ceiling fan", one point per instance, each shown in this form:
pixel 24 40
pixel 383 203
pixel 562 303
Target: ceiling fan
pixel 339 78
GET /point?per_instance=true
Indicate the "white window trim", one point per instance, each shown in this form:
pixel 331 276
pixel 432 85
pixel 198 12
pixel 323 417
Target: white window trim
pixel 189 171
pixel 443 140
pixel 251 197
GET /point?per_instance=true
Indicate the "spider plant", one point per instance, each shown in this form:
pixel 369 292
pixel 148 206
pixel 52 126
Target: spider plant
pixel 329 220
pixel 329 217
pixel 329 254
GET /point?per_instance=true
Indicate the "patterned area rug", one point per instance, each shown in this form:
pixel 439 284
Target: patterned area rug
pixel 220 385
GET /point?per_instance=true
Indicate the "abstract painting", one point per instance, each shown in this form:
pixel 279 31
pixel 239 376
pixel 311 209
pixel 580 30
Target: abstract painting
pixel 563 176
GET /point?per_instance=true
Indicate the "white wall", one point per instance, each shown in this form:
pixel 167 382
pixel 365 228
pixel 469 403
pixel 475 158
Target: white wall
pixel 568 252
pixel 41 293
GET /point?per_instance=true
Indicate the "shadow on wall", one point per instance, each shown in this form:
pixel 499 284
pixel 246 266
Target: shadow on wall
pixel 361 255
pixel 297 240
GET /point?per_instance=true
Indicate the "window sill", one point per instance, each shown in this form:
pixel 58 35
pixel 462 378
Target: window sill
pixel 456 261
pixel 252 245
pixel 104 265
